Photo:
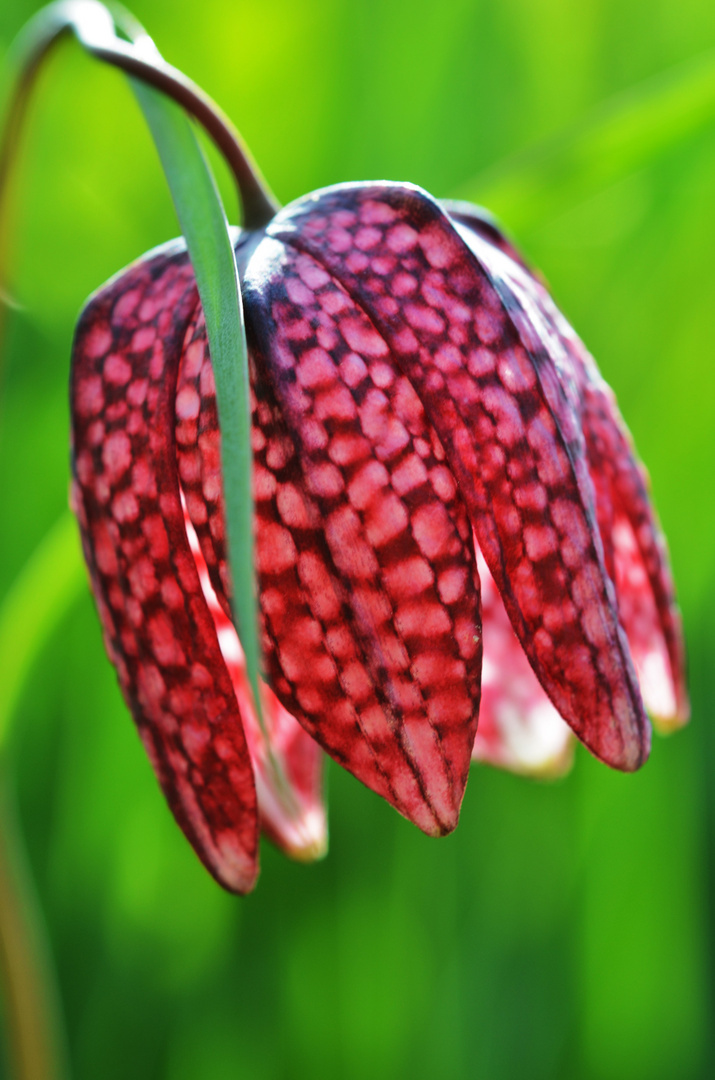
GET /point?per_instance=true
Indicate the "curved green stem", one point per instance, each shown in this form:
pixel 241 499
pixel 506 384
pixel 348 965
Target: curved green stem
pixel 94 28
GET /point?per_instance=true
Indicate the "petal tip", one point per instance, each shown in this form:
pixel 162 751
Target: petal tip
pixel 303 839
pixel 635 752
pixel 310 851
pixel 235 869
pixel 443 824
pixel 668 725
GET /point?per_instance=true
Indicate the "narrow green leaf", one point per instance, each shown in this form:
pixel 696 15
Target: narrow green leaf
pixel 37 601
pixel 203 223
pixel 626 134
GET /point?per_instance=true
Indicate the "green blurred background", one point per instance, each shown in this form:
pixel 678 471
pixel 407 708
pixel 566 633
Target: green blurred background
pixel 565 930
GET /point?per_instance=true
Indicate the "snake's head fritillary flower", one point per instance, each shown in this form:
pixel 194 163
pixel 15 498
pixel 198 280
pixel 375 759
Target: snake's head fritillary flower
pixel 423 419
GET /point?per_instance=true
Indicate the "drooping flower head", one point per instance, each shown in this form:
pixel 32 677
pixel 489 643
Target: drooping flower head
pixel 425 423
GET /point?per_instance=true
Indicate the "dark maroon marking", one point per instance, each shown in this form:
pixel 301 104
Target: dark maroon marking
pixel 370 609
pixel 287 763
pixel 157 626
pixel 505 415
pixel 639 566
pixel 411 378
pixel 648 606
pixel 519 728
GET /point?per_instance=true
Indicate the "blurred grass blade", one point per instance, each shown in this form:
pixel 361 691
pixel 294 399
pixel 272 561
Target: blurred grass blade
pixel 203 223
pixel 36 603
pixel 31 611
pixel 37 1043
pixel 624 135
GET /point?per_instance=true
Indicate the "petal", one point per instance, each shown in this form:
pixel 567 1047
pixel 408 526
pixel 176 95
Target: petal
pixel 647 605
pixel 157 626
pixel 482 222
pixel 370 606
pixel 502 406
pixel 635 549
pixel 519 728
pixel 287 763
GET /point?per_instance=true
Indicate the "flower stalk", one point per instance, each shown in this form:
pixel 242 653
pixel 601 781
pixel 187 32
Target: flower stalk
pixel 94 27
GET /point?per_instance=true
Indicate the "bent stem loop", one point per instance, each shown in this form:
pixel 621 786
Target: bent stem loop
pixel 94 28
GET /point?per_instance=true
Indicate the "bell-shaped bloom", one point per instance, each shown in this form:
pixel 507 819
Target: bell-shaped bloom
pixel 423 419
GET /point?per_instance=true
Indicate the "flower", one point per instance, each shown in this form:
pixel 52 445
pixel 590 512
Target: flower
pixel 423 419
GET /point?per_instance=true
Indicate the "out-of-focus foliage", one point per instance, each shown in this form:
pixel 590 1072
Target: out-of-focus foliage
pixel 565 930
